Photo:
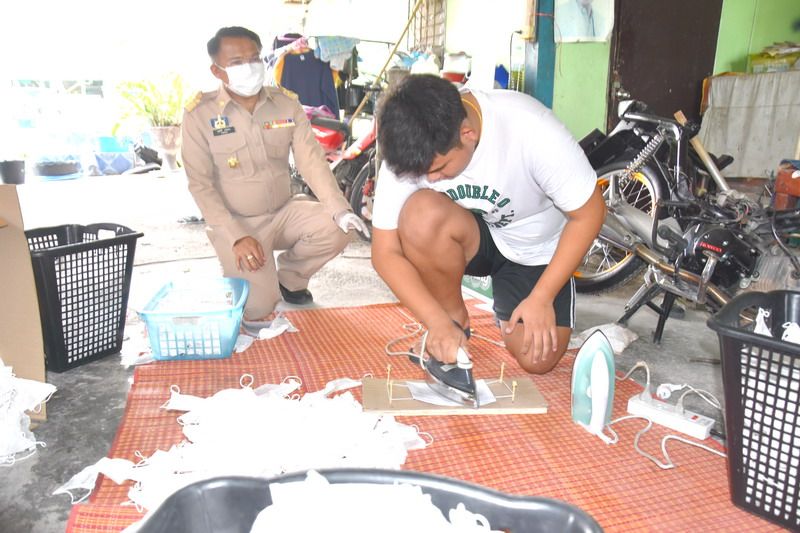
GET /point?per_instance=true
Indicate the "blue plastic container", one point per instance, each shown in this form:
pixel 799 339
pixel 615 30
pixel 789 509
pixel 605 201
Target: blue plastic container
pixel 195 318
pixel 113 144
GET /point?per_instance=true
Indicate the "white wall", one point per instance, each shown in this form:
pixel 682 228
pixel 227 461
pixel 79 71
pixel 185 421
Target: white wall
pixel 483 30
pixel 97 39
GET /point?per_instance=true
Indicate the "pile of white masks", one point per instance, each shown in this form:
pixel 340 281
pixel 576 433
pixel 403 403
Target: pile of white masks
pixel 17 396
pixel 262 432
pixel 360 508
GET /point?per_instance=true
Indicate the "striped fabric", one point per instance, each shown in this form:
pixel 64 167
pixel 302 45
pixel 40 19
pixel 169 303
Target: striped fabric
pixel 546 455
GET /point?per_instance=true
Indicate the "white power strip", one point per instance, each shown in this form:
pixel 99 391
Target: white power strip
pixel 667 415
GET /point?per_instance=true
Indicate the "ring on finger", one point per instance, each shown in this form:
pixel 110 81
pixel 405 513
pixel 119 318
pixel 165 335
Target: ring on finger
pixel 250 257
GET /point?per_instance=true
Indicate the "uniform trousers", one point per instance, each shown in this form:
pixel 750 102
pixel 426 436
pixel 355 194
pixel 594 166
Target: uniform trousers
pixel 305 234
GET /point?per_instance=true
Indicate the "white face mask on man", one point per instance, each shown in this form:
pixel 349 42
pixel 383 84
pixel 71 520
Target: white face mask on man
pixel 245 79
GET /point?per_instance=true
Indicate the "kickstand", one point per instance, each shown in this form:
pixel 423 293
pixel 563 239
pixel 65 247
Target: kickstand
pixel 645 296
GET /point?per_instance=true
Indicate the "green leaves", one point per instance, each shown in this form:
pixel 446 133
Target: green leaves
pixel 161 102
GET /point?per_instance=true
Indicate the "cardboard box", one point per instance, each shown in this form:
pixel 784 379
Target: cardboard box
pixel 21 345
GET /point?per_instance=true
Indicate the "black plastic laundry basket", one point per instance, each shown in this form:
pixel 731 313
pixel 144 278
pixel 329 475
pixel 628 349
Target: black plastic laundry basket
pixel 83 276
pixel 761 378
pixel 231 504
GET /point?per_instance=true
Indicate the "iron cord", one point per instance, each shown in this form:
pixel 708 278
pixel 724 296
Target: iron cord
pixel 669 464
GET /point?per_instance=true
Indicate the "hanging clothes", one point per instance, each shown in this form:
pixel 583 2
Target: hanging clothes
pixel 310 78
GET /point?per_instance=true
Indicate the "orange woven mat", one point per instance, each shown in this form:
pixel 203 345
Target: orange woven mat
pixel 546 455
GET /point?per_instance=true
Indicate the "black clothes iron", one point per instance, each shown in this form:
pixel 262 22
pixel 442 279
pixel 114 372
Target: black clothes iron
pixel 451 381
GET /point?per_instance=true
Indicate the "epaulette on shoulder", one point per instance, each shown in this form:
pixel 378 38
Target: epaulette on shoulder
pixel 289 93
pixel 192 102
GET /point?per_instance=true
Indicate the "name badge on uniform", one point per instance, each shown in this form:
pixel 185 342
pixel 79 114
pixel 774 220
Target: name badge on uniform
pixel 275 124
pixel 221 126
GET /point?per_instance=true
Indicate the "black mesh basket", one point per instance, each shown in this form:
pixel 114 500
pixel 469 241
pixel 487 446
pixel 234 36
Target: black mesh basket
pixel 761 378
pixel 83 276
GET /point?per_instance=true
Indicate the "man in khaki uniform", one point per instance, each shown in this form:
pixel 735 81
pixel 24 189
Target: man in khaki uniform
pixel 236 143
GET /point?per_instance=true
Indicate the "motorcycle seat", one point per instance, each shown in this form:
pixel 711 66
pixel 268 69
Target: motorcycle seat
pixel 722 161
pixel 331 124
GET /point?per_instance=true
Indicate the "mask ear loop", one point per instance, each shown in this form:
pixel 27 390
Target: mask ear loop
pixel 13 459
pixel 243 383
pixel 292 377
pixel 38 408
pixel 173 389
pixel 423 434
pixel 72 499
pixel 142 459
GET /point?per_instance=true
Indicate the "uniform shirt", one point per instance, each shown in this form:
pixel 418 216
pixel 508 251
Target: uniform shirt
pixel 526 170
pixel 237 163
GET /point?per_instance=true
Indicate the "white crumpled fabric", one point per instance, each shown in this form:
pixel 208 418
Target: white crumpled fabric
pixel 359 508
pixel 18 395
pixel 791 330
pixel 278 326
pixel 136 347
pixel 264 432
pixel 243 342
pixel 618 335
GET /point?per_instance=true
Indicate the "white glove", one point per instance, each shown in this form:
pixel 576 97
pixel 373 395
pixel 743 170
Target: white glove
pixel 347 221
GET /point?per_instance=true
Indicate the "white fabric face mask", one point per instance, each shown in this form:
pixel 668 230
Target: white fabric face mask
pixel 245 79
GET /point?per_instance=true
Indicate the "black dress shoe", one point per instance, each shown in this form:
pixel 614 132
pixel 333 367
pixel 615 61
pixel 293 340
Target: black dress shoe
pixel 301 297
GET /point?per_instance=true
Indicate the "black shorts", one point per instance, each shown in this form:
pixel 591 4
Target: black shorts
pixel 512 282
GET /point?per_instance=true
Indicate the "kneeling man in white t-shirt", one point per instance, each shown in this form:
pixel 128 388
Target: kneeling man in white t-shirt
pixel 487 184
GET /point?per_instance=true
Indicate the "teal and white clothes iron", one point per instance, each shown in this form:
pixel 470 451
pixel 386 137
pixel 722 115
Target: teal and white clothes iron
pixel 593 385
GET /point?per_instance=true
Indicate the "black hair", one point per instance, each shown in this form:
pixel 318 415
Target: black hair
pixel 230 31
pixel 420 118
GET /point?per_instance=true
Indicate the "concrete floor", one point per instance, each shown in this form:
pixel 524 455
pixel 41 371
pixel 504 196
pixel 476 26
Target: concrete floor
pixel 84 413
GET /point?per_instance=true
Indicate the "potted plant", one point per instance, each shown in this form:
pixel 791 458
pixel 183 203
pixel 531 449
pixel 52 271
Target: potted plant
pixel 161 104
pixel 12 159
pixel 12 170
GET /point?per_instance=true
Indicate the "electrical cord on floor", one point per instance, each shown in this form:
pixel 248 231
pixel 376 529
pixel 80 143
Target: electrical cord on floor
pixel 669 464
pixel 639 364
pixel 414 329
pixel 667 388
pixel 704 394
pixel 719 434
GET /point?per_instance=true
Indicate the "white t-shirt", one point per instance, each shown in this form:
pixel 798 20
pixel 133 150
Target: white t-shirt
pixel 526 170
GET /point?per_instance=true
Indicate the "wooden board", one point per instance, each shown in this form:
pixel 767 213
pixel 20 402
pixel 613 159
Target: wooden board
pixel 527 400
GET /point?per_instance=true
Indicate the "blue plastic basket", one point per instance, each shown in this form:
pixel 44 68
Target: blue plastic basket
pixel 195 318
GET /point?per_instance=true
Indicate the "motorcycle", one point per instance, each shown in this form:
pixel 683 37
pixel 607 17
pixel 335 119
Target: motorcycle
pixel 354 168
pixel 672 213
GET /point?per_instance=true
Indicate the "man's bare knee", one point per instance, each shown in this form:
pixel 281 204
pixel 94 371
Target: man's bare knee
pixel 422 217
pixel 542 366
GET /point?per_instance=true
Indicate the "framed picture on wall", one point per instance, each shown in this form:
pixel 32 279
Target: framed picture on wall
pixel 583 20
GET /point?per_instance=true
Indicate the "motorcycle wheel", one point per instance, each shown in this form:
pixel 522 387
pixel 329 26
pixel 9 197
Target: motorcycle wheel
pixel 606 265
pixel 297 184
pixel 346 172
pixel 363 193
